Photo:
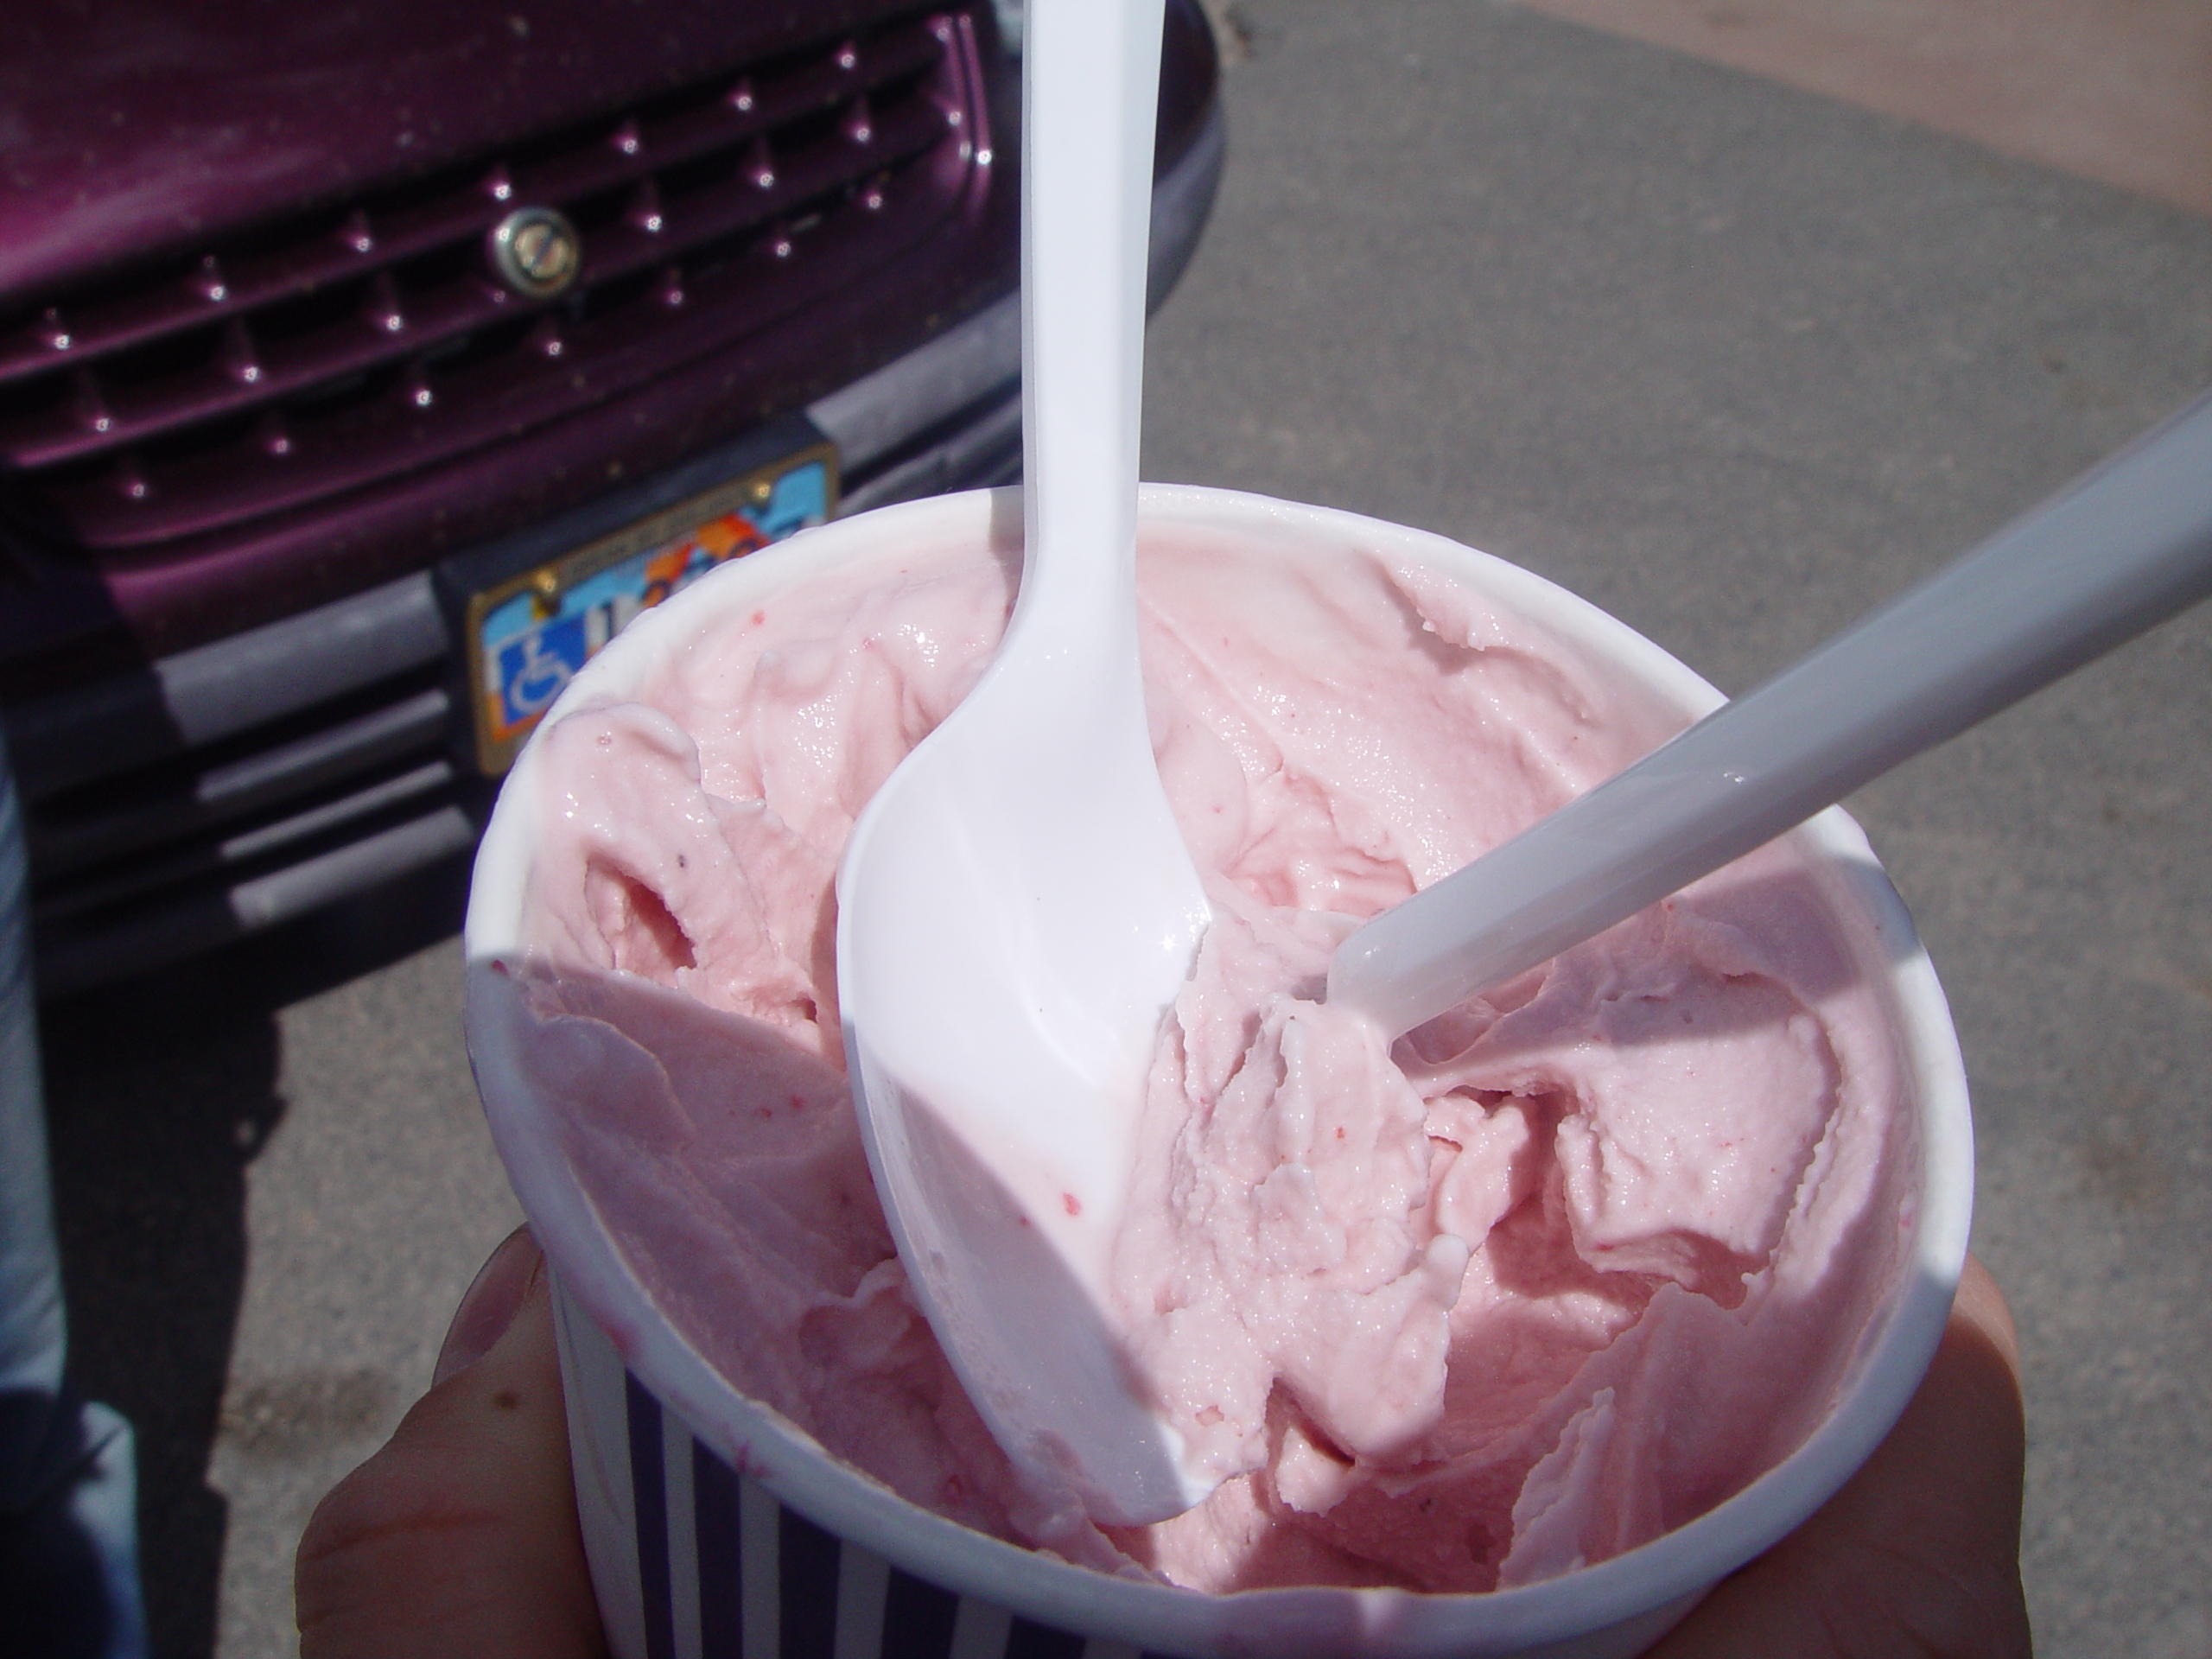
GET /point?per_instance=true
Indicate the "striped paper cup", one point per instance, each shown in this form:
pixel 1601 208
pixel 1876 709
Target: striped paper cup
pixel 716 1528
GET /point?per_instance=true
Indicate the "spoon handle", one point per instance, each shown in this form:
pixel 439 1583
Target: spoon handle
pixel 1092 71
pixel 2122 548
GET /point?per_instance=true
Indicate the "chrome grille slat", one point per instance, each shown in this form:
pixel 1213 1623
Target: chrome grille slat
pixel 253 378
pixel 63 843
pixel 74 955
pixel 418 780
pixel 79 898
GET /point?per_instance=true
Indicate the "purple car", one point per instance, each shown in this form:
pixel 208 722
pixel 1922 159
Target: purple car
pixel 362 369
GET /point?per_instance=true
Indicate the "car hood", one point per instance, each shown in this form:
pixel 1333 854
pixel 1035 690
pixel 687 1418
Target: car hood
pixel 128 127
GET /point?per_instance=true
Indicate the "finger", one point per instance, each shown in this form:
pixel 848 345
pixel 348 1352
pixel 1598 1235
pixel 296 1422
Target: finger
pixel 1919 1552
pixel 489 1305
pixel 459 1538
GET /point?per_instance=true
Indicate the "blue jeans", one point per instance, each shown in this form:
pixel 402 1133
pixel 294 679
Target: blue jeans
pixel 68 1500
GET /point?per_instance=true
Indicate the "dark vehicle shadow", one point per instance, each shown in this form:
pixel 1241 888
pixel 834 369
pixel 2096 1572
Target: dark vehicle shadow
pixel 160 1090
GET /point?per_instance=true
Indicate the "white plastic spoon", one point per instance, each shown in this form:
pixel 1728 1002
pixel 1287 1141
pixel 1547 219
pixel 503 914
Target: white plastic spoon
pixel 2122 548
pixel 1016 907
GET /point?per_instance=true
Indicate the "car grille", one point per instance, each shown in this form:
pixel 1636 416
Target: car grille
pixel 273 370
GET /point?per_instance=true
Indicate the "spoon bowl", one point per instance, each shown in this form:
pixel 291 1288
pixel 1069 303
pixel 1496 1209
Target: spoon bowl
pixel 1016 907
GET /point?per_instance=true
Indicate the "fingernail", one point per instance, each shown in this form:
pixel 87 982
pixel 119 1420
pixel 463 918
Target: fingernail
pixel 489 1305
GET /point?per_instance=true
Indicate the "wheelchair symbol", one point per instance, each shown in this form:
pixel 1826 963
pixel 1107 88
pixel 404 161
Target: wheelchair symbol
pixel 531 676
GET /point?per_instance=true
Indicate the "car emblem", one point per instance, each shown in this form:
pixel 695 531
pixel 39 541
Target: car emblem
pixel 537 251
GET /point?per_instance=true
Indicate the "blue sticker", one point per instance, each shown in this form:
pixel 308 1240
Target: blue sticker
pixel 534 668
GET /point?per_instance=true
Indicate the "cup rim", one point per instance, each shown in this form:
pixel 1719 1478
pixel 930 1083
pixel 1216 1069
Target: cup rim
pixel 1876 1382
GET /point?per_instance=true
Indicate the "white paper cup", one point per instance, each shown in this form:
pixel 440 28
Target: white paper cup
pixel 715 1528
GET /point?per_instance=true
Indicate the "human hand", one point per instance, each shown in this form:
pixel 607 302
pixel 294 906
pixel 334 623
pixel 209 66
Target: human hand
pixel 1920 1552
pixel 459 1538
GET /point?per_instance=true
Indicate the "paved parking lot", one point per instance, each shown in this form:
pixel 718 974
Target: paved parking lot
pixel 1732 358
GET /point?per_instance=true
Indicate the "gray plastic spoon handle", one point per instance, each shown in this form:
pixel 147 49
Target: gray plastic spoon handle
pixel 2120 550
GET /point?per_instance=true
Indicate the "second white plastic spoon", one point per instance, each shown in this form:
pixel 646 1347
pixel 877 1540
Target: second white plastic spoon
pixel 2122 548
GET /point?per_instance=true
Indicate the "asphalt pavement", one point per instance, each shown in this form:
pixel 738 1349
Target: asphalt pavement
pixel 1734 361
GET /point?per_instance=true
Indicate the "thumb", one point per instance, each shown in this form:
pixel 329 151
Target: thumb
pixel 460 1536
pixel 1920 1551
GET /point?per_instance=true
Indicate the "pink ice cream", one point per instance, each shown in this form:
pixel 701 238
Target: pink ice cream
pixel 1562 1270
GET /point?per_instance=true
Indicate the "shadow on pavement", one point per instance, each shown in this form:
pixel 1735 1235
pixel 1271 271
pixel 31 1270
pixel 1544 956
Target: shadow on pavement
pixel 160 1090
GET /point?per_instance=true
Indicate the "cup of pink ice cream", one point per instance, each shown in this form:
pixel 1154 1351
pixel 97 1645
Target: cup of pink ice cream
pixel 1512 1337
